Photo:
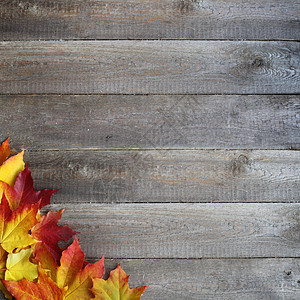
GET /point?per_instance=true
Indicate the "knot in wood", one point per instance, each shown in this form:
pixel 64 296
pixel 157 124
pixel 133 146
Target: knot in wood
pixel 243 159
pixel 239 165
pixel 258 62
pixel 288 272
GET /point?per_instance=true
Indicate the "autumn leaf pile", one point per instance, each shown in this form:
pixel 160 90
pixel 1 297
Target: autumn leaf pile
pixel 32 265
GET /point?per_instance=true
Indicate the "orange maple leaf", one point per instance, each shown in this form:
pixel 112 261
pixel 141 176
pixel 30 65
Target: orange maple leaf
pixel 45 288
pixel 46 260
pixel 116 287
pixel 72 274
pixel 4 151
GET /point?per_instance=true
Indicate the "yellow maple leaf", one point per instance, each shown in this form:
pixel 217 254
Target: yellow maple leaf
pixel 18 266
pixel 116 287
pixel 10 170
pixel 16 227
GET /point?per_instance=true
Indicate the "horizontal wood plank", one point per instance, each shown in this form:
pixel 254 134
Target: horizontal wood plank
pixel 211 279
pixel 185 230
pixel 150 19
pixel 168 176
pixel 124 121
pixel 149 67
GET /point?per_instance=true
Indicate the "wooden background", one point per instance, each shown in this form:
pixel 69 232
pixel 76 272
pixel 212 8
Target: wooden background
pixel 172 128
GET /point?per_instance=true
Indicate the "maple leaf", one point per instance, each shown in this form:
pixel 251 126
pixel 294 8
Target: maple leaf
pixel 71 274
pixel 16 226
pixel 80 288
pixel 48 232
pixel 45 288
pixel 18 266
pixel 116 287
pixel 10 169
pixel 46 260
pixel 23 193
pixel 4 151
pixel 71 263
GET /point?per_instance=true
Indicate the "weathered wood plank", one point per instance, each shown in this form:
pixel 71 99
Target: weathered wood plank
pixel 223 279
pixel 168 176
pixel 150 19
pixel 185 230
pixel 149 67
pixel 117 121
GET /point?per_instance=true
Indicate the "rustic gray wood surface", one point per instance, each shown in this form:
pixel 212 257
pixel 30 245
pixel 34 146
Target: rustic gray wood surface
pixel 185 230
pixel 192 184
pixel 210 279
pixel 153 121
pixel 168 176
pixel 151 19
pixel 149 67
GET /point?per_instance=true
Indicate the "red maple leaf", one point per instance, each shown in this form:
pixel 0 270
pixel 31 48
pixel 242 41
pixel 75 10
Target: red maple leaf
pixel 50 233
pixel 23 193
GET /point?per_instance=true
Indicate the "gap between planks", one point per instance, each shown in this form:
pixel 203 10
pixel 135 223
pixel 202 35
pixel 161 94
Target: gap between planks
pixel 151 40
pixel 195 259
pixel 154 149
pixel 141 94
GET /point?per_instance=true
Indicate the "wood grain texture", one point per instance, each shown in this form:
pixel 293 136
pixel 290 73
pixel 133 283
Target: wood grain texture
pixel 211 279
pixel 149 67
pixel 117 121
pixel 185 230
pixel 168 176
pixel 150 19
pixel 139 173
